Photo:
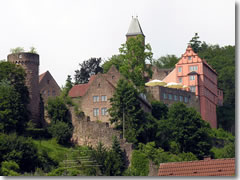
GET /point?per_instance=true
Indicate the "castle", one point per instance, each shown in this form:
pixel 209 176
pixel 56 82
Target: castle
pixel 94 97
pixel 36 84
pixel 193 72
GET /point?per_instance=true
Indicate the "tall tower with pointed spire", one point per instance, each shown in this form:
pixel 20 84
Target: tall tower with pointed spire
pixel 134 29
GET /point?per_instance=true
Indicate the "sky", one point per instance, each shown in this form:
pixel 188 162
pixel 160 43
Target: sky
pixel 67 32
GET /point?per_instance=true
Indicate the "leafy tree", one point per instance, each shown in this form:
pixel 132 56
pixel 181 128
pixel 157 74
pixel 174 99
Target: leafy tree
pixel 17 50
pixel 125 103
pixel 159 110
pixel 62 131
pixel 195 43
pixel 189 130
pixel 167 61
pixel 114 60
pixel 139 164
pixel 68 86
pixel 134 55
pixel 115 161
pixel 13 98
pixel 57 110
pixel 9 168
pixel 20 150
pixel 88 68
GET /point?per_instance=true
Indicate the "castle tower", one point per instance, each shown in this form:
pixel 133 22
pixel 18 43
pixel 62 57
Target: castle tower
pixel 30 62
pixel 134 29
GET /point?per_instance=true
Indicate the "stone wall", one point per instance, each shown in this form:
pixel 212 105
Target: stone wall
pixel 90 133
pixel 30 63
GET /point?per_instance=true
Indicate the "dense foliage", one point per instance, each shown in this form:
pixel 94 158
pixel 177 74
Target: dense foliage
pixel 87 68
pixel 115 60
pixel 61 126
pixel 13 98
pixel 135 54
pixel 167 61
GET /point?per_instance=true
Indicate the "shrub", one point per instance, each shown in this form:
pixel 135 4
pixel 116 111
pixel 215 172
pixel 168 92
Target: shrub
pixel 9 168
pixel 61 131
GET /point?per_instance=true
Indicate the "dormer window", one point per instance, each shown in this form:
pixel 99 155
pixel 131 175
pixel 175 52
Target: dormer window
pixel 189 57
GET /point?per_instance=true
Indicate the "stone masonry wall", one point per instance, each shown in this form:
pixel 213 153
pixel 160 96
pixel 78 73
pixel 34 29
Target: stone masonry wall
pixel 30 62
pixel 90 133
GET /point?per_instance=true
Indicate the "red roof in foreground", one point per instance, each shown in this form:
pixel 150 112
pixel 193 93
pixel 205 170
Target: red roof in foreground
pixel 206 167
pixel 81 89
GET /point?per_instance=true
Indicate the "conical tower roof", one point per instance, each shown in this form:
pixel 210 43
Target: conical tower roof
pixel 134 28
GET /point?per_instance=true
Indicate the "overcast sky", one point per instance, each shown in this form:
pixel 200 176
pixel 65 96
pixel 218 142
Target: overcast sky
pixel 67 32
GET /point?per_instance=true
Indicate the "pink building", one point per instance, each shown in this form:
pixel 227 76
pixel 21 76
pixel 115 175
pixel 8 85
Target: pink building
pixel 200 78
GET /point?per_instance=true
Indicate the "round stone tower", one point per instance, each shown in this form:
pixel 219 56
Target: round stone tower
pixel 30 62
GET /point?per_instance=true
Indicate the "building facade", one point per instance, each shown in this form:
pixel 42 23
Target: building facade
pixel 201 79
pixel 48 87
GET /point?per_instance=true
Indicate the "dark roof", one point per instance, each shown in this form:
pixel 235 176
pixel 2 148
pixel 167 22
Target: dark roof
pixel 193 73
pixel 81 89
pixel 206 167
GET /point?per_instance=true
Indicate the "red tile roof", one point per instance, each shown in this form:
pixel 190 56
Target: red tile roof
pixel 42 75
pixel 206 167
pixel 81 89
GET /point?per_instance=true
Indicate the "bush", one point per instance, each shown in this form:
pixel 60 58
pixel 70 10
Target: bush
pixel 37 133
pixel 61 131
pixel 139 164
pixel 9 168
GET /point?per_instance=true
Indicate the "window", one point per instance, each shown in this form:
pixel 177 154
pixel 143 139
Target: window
pixel 175 97
pixel 20 56
pixel 179 69
pixel 170 96
pixel 113 77
pixel 53 92
pixel 104 98
pixel 193 88
pixel 48 92
pixel 193 68
pixel 189 57
pixel 47 81
pixel 164 96
pixel 95 98
pixel 95 111
pixel 180 79
pixel 192 77
pixel 104 111
pixel 99 85
pixel 185 99
pixel 181 98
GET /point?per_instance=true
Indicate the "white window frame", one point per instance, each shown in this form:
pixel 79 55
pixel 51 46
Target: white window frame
pixel 192 77
pixel 95 112
pixel 104 98
pixel 95 98
pixel 104 111
pixel 175 97
pixel 170 96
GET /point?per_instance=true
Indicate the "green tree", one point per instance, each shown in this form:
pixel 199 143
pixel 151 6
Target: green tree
pixel 195 43
pixel 68 86
pixel 13 98
pixel 57 110
pixel 159 110
pixel 88 68
pixel 125 105
pixel 17 50
pixel 114 60
pixel 167 61
pixel 115 161
pixel 189 130
pixel 134 55
pixel 62 131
